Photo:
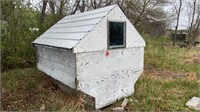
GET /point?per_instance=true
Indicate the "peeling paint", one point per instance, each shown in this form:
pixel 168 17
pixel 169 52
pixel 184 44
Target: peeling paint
pixel 96 40
pixel 108 79
pixel 105 74
pixel 57 63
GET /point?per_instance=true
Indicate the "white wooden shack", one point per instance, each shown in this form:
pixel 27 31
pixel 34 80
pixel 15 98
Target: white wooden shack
pixel 97 52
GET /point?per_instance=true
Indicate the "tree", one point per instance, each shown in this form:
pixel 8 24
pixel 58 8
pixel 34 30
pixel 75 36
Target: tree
pixel 144 13
pixel 43 12
pixel 178 12
pixel 16 21
pixel 194 26
pixel 61 8
pixel 51 12
pixel 139 12
pixel 82 6
pixel 197 23
pixel 75 6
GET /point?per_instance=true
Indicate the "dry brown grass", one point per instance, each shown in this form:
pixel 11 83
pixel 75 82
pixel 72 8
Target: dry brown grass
pixel 192 57
pixel 170 79
pixel 30 90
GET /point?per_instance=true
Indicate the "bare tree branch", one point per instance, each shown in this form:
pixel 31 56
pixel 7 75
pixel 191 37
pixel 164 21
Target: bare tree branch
pixel 75 7
pixel 177 21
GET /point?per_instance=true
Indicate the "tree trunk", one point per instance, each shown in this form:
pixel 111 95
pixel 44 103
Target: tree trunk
pixel 142 12
pixel 75 8
pixel 43 14
pixel 190 36
pixel 93 4
pixel 82 7
pixel 62 3
pixel 52 7
pixel 177 22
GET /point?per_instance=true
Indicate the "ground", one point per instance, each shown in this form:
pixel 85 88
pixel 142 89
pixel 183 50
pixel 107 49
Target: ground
pixel 170 79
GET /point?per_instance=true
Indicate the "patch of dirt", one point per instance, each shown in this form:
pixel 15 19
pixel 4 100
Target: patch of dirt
pixel 190 56
pixel 194 59
pixel 169 73
pixel 44 95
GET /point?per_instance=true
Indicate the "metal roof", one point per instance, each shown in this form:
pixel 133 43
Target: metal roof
pixel 67 32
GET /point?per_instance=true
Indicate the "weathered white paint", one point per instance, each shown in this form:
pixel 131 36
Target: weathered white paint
pixel 57 42
pixel 96 40
pixel 108 78
pixel 91 28
pixel 194 103
pixel 87 17
pixel 61 36
pixel 92 22
pixel 86 67
pixel 57 63
pixel 71 29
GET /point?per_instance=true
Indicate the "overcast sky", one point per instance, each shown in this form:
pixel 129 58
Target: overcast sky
pixel 184 19
pixel 183 23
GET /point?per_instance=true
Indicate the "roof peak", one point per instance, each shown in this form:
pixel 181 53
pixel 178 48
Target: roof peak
pixel 94 11
pixel 109 7
pixel 67 32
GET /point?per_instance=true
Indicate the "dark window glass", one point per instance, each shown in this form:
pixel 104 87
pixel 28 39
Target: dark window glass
pixel 116 34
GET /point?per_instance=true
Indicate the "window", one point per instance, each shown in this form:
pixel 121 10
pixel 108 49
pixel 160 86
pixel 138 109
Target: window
pixel 116 34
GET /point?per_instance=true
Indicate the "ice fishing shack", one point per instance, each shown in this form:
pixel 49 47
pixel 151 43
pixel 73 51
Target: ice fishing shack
pixel 98 52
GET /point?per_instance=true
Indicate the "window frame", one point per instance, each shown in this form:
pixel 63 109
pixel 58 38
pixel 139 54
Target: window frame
pixel 108 35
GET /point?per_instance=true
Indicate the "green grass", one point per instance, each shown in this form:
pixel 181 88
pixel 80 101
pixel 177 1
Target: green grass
pixel 160 56
pixel 14 78
pixel 27 89
pixel 156 94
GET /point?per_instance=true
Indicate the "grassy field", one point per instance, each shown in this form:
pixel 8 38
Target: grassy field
pixel 170 79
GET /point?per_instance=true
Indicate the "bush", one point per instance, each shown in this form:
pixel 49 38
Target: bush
pixel 16 36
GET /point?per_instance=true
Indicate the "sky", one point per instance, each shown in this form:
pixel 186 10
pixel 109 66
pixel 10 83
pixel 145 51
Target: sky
pixel 183 22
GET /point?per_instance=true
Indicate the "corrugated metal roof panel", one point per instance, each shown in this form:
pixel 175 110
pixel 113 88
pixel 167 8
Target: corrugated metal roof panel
pixel 92 12
pixel 67 36
pixel 78 23
pixel 71 29
pixel 84 18
pixel 57 42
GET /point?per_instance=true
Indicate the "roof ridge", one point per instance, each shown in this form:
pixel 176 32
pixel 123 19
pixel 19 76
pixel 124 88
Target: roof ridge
pixel 90 11
pixel 56 33
pixel 94 26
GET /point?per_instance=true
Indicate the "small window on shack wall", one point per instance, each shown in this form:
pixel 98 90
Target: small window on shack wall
pixel 116 34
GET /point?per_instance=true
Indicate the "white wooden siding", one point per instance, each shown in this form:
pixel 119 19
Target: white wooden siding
pixel 108 78
pixel 57 63
pixel 96 40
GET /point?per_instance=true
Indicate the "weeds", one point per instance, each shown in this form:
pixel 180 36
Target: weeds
pixel 28 89
pixel 170 79
pixel 158 55
pixel 156 94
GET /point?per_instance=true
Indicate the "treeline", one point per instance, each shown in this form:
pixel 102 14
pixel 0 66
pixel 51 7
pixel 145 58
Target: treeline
pixel 22 21
pixel 20 25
